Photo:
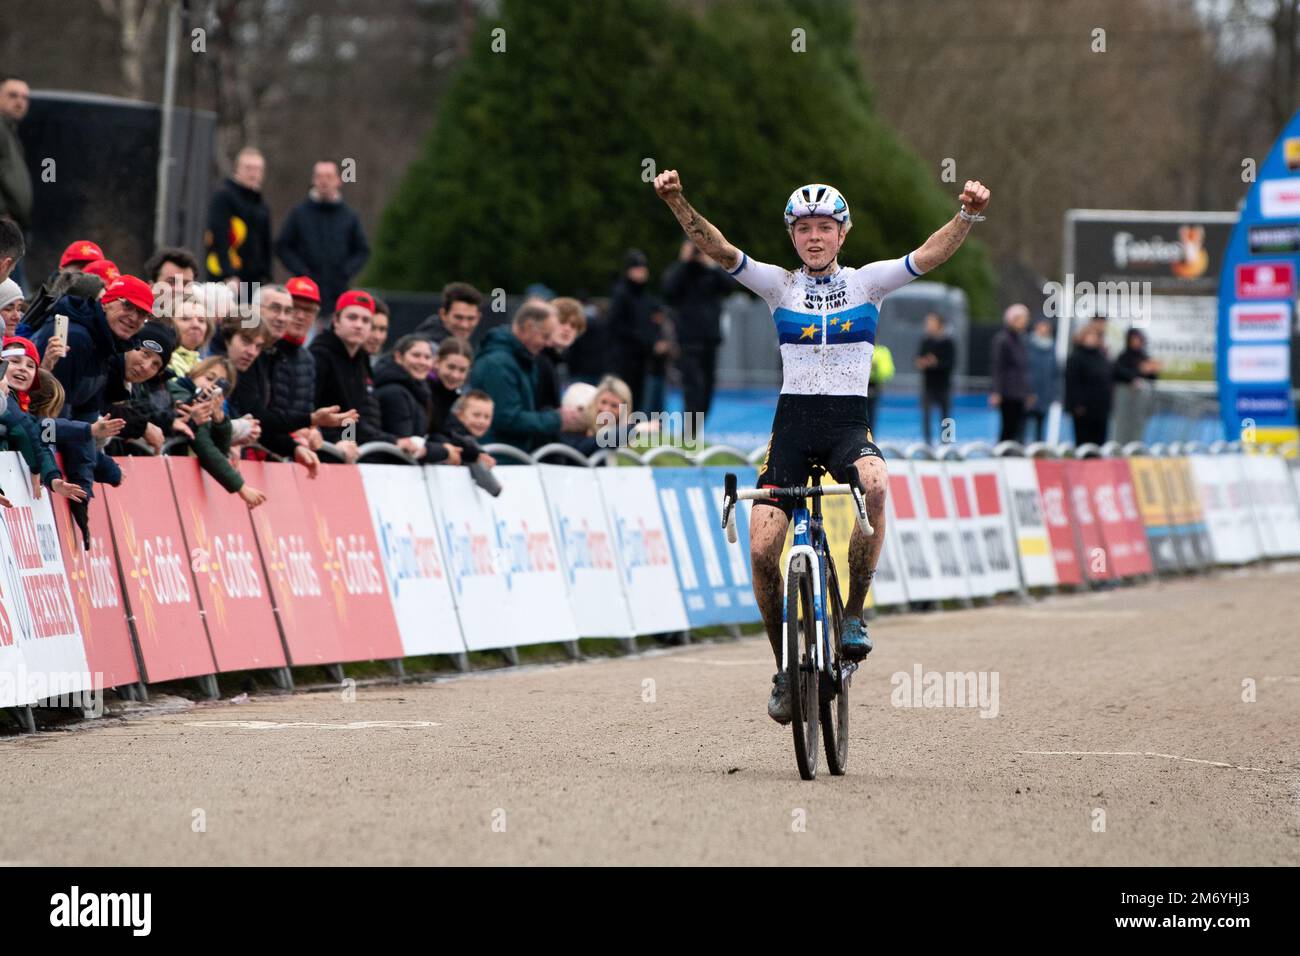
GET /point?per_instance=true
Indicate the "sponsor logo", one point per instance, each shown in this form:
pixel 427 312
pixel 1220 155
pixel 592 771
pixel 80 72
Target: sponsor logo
pixel 1268 320
pixel 1186 257
pixel 1266 280
pixel 1250 404
pixel 1291 153
pixel 1279 198
pixel 1259 363
pixel 1269 239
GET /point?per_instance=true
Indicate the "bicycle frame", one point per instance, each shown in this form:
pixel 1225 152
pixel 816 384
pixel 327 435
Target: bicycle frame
pixel 810 543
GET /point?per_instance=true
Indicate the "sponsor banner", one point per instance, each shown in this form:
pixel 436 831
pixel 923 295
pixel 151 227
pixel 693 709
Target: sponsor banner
pixel 1054 496
pixel 1263 321
pixel 1264 240
pixel 502 558
pixel 1037 563
pixel 1153 503
pixel 410 553
pixel 1189 519
pixel 1266 280
pixel 354 572
pixel 294 558
pixel 1080 487
pixel 1134 531
pixel 1279 198
pixel 713 574
pixel 985 523
pixel 1178 256
pixel 586 548
pixel 644 554
pixel 228 571
pixel 97 594
pixel 43 624
pixel 916 545
pixel 1242 365
pixel 1218 487
pixel 160 593
pixel 1274 503
pixel 1260 363
pixel 940 515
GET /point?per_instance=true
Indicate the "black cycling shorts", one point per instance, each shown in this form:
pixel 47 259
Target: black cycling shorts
pixel 829 430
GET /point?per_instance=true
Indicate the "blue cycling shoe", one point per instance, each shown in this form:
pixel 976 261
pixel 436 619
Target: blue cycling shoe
pixel 854 641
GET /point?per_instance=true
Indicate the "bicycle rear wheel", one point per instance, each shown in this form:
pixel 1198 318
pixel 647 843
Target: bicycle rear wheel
pixel 835 687
pixel 801 665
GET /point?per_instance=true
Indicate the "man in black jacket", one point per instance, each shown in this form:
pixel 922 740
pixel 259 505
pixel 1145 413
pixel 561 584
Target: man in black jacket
pixel 936 359
pixel 15 180
pixel 322 237
pixel 695 286
pixel 632 328
pixel 238 236
pixel 343 377
pixel 458 314
pixel 1010 369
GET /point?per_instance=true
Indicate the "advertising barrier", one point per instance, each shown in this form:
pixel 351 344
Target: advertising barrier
pixel 1096 557
pixel 586 550
pixel 1153 503
pixel 1134 532
pixel 1034 549
pixel 1273 499
pixel 641 545
pixel 1229 519
pixel 906 524
pixel 410 552
pixel 1054 496
pixel 502 559
pixel 985 525
pixel 97 594
pixel 160 593
pixel 223 556
pixel 713 574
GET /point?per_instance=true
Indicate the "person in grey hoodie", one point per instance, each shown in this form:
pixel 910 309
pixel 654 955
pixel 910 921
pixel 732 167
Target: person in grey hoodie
pixel 1011 372
pixel 1043 378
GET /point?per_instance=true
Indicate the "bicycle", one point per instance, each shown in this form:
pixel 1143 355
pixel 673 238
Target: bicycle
pixel 819 675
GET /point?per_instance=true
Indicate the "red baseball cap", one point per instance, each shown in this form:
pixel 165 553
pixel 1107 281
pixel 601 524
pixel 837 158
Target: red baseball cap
pixel 83 250
pixel 301 287
pixel 16 346
pixel 355 297
pixel 106 269
pixel 133 290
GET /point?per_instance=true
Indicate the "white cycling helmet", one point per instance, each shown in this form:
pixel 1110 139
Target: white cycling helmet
pixel 816 199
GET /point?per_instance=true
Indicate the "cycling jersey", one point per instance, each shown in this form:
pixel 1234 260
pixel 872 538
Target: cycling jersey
pixel 826 325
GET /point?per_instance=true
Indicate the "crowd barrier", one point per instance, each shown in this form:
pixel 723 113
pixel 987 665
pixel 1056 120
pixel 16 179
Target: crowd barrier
pixel 386 561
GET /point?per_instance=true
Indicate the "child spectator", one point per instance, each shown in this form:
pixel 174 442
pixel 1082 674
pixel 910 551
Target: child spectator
pixel 208 383
pixel 22 432
pixel 470 419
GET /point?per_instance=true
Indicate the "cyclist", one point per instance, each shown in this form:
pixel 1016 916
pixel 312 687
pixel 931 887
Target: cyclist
pixel 825 317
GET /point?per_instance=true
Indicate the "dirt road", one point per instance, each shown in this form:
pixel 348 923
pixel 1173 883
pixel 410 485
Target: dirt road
pixel 1121 711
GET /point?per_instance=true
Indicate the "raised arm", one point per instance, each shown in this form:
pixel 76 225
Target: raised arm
pixel 703 233
pixel 939 248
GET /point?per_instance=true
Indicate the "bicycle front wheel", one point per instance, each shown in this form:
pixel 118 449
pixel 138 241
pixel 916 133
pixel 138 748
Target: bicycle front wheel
pixel 801 665
pixel 835 687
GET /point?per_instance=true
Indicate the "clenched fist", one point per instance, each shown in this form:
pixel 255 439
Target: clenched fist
pixel 975 197
pixel 668 185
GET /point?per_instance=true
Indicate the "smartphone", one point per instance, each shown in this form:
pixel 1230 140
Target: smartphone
pixel 61 328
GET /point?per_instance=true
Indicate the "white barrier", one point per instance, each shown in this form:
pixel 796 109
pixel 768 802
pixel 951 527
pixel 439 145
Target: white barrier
pixel 939 515
pixel 915 546
pixel 411 552
pixel 1273 500
pixel 984 524
pixel 502 559
pixel 1037 565
pixel 41 650
pixel 641 543
pixel 1228 517
pixel 587 554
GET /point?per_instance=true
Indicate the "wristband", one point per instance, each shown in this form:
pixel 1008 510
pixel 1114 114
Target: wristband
pixel 969 217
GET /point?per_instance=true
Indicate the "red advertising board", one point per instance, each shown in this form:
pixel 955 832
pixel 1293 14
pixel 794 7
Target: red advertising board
pixel 1134 530
pixel 97 593
pixel 224 558
pixel 1056 513
pixel 1097 475
pixel 160 591
pixel 1096 558
pixel 327 583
